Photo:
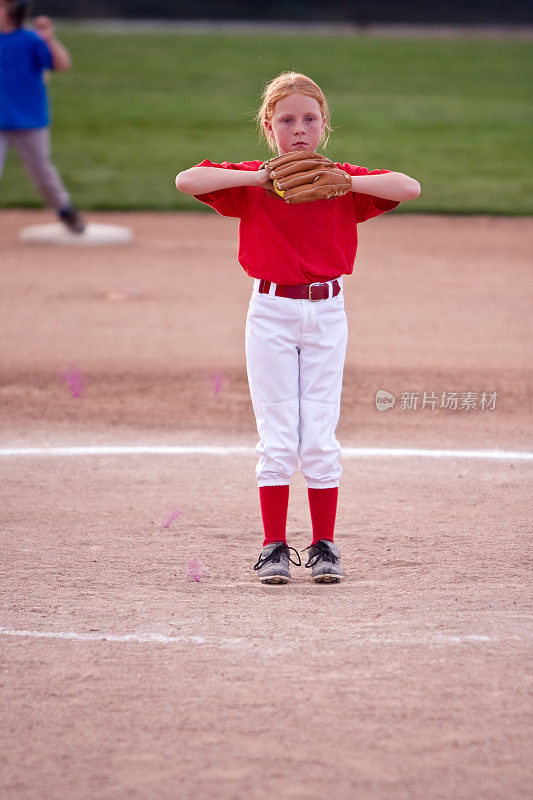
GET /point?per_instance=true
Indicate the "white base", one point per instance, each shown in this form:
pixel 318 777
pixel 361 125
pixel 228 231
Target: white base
pixel 94 234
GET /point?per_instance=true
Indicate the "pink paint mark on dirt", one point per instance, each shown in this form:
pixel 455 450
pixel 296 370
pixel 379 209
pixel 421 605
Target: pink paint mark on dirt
pixel 195 570
pixel 217 381
pixel 172 517
pixel 75 381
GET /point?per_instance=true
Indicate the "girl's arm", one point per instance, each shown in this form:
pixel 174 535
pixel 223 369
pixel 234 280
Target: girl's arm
pixel 200 180
pixel 60 55
pixel 389 186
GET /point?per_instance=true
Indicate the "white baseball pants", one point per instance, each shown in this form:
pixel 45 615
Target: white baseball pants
pixel 295 351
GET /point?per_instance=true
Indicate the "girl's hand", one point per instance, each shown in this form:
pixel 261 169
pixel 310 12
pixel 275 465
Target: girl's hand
pixel 263 177
pixel 44 27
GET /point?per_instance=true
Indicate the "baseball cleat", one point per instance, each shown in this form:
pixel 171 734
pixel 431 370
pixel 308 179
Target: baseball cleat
pixel 273 563
pixel 72 219
pixel 324 560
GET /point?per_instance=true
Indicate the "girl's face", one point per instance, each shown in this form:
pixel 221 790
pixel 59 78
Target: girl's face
pixel 296 124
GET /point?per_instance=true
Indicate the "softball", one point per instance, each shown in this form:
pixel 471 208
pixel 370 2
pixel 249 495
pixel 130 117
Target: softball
pixel 277 190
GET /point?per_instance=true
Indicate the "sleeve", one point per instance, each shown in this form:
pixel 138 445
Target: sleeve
pixel 366 205
pixel 42 55
pixel 227 202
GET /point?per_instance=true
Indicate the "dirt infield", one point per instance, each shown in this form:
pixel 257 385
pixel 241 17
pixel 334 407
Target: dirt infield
pixel 124 677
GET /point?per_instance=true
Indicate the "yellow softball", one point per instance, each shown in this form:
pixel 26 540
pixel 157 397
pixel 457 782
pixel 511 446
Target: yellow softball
pixel 277 190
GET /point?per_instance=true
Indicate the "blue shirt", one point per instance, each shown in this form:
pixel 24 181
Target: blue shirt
pixel 24 57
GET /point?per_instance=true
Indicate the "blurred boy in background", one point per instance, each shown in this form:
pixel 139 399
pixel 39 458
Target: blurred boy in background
pixel 24 110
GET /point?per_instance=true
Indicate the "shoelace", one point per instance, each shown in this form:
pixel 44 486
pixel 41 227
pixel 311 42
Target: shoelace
pixel 275 556
pixel 319 551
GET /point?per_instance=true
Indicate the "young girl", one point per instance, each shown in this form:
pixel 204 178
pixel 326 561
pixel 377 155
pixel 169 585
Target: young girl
pixel 296 330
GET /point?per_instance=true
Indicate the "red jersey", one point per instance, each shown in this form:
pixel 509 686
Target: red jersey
pixel 302 243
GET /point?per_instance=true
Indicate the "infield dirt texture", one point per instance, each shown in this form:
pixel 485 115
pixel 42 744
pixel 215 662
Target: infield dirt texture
pixel 124 677
pixel 121 676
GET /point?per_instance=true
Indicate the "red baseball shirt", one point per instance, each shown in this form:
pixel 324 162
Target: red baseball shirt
pixel 302 243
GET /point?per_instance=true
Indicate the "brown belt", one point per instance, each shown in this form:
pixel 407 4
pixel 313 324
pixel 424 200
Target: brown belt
pixel 304 291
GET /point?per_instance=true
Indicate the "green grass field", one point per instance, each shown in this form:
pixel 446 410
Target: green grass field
pixel 139 107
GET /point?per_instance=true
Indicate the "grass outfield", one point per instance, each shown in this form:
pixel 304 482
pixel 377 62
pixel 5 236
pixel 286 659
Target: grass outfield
pixel 139 107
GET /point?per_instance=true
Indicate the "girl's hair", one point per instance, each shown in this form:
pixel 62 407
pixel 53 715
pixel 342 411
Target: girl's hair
pixel 285 84
pixel 17 11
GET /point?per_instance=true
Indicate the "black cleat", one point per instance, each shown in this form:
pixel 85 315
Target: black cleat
pixel 273 563
pixel 72 219
pixel 324 558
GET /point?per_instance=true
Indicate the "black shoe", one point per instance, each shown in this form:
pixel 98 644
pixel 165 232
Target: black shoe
pixel 72 218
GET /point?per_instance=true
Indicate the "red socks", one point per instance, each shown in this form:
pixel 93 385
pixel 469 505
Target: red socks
pixel 274 503
pixel 323 507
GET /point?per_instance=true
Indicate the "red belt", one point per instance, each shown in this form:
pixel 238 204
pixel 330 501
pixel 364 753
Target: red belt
pixel 304 291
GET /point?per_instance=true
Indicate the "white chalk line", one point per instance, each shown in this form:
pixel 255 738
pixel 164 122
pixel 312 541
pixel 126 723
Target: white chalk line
pixel 176 450
pixel 156 638
pixel 105 637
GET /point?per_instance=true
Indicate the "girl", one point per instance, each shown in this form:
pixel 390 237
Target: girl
pixel 296 330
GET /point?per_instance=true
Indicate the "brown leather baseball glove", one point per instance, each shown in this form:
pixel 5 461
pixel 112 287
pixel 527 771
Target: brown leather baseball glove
pixel 304 176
